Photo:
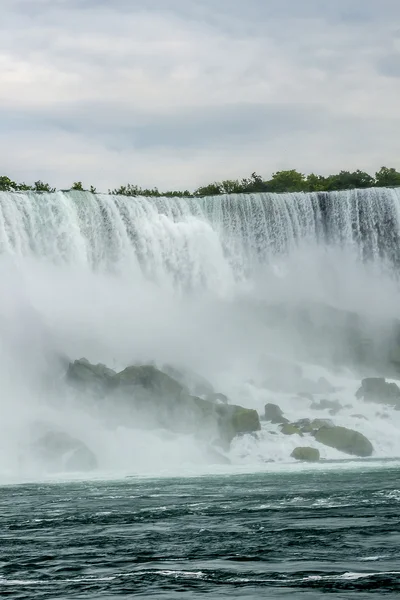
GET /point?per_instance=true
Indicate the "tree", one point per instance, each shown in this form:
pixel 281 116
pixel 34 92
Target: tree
pixel 387 177
pixel 7 185
pixel 213 189
pixel 347 180
pixel 287 181
pixel 39 186
pixel 77 185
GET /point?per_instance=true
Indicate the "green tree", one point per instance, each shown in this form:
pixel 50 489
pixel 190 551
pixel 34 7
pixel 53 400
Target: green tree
pixel 7 185
pixel 39 186
pixel 77 185
pixel 213 189
pixel 347 180
pixel 287 181
pixel 387 177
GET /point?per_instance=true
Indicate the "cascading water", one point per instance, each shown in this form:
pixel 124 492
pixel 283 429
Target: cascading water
pixel 210 283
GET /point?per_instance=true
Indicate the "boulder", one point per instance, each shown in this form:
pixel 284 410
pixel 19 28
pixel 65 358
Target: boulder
pixel 62 452
pixel 290 429
pixel 346 440
pixel 379 391
pixel 274 414
pixel 308 425
pixel 306 454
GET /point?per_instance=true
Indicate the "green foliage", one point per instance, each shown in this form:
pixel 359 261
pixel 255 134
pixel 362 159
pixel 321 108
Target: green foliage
pixel 280 182
pixel 387 177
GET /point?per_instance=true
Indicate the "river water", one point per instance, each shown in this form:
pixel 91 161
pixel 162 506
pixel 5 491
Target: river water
pixel 297 533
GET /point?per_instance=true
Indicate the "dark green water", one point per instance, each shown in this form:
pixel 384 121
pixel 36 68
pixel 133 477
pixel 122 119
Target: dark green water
pixel 296 535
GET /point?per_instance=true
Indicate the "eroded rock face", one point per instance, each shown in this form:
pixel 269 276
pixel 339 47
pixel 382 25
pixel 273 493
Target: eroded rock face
pixel 62 452
pixel 345 440
pixel 379 391
pixel 306 454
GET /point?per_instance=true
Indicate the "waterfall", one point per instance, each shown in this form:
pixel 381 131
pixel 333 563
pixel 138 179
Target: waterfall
pixel 198 241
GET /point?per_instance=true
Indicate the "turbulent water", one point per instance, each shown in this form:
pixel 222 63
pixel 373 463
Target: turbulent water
pixel 231 288
pixel 276 534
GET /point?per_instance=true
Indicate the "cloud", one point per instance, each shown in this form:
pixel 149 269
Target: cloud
pixel 178 92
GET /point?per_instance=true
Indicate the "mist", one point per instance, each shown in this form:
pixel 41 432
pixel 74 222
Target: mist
pixel 203 287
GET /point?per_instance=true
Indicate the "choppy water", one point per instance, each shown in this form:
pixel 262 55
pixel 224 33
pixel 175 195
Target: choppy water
pixel 296 534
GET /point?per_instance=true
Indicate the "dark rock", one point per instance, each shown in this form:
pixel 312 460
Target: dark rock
pixel 274 414
pixel 346 440
pixel 378 391
pixel 290 429
pixel 306 454
pixel 196 384
pixel 92 378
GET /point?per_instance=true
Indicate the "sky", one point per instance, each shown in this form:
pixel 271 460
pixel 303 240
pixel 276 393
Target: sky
pixel 179 93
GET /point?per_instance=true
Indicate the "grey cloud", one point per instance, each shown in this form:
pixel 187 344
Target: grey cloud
pixel 389 65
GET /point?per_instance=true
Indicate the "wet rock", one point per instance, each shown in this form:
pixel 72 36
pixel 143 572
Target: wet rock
pixel 195 383
pixel 274 414
pixel 345 440
pixel 377 390
pixel 290 429
pixel 306 454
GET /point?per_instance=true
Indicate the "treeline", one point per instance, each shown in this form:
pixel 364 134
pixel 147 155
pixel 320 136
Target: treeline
pixel 280 182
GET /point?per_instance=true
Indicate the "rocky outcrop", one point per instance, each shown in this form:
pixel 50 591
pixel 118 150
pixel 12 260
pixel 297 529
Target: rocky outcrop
pixel 145 396
pixel 306 454
pixel 196 384
pixel 274 414
pixel 62 452
pixel 379 391
pixel 97 379
pixel 345 440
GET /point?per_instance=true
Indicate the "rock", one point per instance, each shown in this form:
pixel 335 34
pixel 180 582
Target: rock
pixel 318 423
pixel 290 429
pixel 151 379
pixel 217 398
pixel 62 452
pixel 195 383
pixel 143 395
pixel 308 425
pixel 274 414
pixel 358 416
pixel 346 440
pixel 92 378
pixel 333 405
pixel 379 391
pixel 306 453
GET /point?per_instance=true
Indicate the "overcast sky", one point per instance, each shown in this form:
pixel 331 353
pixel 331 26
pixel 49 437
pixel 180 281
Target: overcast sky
pixel 177 93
